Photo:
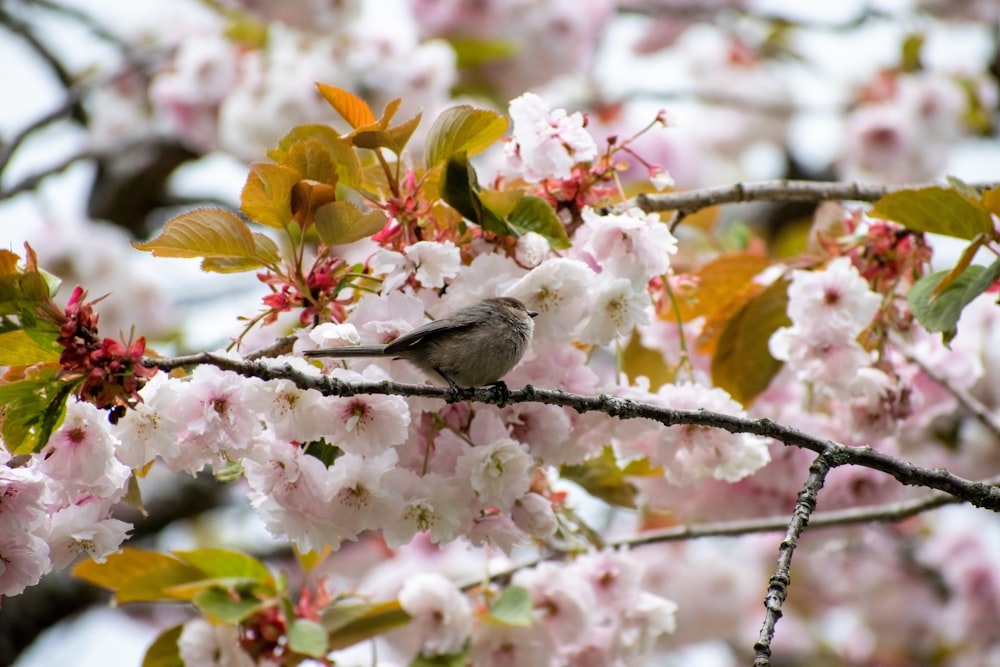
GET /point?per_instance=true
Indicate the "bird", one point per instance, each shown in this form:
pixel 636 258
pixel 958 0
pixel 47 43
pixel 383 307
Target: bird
pixel 474 346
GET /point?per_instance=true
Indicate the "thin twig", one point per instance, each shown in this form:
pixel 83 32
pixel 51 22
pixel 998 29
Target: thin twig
pixel 777 590
pixel 972 404
pixel 34 180
pixel 887 513
pixel 707 11
pixel 976 493
pixel 8 149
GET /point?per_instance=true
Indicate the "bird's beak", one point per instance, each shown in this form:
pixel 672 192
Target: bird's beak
pixel 532 313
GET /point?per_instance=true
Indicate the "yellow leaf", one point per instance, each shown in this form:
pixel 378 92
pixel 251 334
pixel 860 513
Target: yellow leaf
pixel 342 222
pixel 21 348
pixel 137 574
pixel 267 195
pixel 203 232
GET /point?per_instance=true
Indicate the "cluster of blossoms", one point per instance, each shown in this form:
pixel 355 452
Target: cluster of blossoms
pixel 902 131
pixel 59 506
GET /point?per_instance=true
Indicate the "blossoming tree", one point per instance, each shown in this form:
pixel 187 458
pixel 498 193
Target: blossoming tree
pixel 686 381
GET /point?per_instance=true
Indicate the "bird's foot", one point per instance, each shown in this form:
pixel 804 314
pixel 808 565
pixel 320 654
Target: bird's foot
pixel 499 393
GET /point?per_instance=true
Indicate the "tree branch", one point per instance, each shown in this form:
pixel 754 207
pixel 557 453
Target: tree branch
pixel 777 589
pixel 689 201
pixel 835 454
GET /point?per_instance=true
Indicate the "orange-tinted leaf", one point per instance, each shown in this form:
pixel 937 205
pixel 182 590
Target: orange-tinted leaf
pixel 642 361
pixel 267 195
pixel 307 197
pixel 991 200
pixel 352 108
pixel 720 281
pixel 389 112
pixel 203 232
pixel 742 363
pixel 8 261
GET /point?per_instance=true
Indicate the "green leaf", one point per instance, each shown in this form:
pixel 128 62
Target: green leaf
pixel 163 652
pixel 266 197
pixel 33 409
pixel 25 348
pixel 910 52
pixel 355 622
pixel 742 364
pixel 936 210
pixel 472 52
pixel 601 477
pixel 212 233
pixel 512 607
pixel 225 563
pixel 223 606
pixel 459 189
pixel 342 222
pixel 451 660
pixel 941 313
pixel 533 214
pixel 463 129
pixel 308 638
pixel 20 290
pixel 340 152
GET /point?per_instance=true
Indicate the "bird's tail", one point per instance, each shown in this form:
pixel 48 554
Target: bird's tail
pixel 348 351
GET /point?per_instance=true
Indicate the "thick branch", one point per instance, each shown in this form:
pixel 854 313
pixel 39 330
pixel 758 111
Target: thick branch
pixel 689 201
pixel 977 493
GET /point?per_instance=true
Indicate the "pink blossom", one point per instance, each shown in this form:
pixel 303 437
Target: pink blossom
pixel 546 142
pixel 360 498
pixel 217 425
pixel 367 423
pixel 24 558
pixel 291 492
pixel 565 608
pixel 617 307
pixel 80 456
pixel 499 472
pixel 836 298
pixel 84 528
pixel 533 514
pixel 440 612
pixel 634 245
pixel 559 290
pixel 431 503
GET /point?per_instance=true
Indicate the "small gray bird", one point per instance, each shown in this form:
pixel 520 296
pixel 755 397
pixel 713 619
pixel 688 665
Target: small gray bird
pixel 472 347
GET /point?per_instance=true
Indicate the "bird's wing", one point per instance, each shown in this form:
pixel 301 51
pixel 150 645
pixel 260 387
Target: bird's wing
pixel 455 322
